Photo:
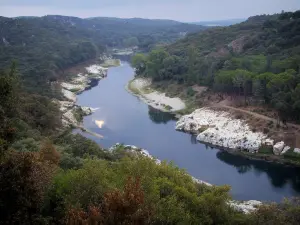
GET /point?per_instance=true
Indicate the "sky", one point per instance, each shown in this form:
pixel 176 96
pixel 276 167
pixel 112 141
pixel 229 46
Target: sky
pixel 181 10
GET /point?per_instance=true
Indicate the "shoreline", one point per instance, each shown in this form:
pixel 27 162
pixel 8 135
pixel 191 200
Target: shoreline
pixel 154 98
pixel 240 145
pixel 87 77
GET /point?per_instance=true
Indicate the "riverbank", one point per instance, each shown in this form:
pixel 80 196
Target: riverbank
pixel 221 129
pixel 140 87
pixel 89 76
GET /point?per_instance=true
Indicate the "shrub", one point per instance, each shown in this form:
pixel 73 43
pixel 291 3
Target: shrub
pixel 190 91
pixel 265 149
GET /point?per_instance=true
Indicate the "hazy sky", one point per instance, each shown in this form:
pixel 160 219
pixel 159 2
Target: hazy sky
pixel 183 10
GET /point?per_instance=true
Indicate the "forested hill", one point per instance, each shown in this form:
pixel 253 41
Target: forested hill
pixel 258 59
pixel 44 45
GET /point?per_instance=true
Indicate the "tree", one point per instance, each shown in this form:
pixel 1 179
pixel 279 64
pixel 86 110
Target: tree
pixel 139 63
pixel 8 105
pixel 24 179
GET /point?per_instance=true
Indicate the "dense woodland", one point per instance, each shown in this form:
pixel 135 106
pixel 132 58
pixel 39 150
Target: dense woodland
pixel 258 59
pixel 44 46
pixel 50 176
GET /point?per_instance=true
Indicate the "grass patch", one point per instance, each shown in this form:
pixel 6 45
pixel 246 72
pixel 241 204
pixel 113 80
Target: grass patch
pixel 168 108
pixel 266 149
pixel 291 155
pixel 202 129
pixel 111 63
pixel 132 88
pixel 75 90
pixel 78 114
pixel 189 108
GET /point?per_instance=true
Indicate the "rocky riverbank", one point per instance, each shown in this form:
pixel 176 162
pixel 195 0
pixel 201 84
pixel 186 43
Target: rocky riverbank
pixel 72 114
pixel 141 88
pixel 220 129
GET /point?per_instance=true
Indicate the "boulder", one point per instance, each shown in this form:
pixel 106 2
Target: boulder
pixel 268 142
pixel 245 207
pixel 285 149
pixel 278 147
pixel 297 150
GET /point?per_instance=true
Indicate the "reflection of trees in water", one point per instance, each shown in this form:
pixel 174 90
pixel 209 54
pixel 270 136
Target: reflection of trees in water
pixel 158 116
pixel 279 175
pixel 194 139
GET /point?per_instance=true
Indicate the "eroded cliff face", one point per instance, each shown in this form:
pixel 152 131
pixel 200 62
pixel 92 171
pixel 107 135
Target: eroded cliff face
pixel 220 129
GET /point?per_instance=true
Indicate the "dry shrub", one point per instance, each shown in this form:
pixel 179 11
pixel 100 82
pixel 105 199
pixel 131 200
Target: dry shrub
pixel 118 207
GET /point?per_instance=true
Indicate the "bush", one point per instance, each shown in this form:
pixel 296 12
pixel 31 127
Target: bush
pixel 265 149
pixel 26 145
pixel 190 91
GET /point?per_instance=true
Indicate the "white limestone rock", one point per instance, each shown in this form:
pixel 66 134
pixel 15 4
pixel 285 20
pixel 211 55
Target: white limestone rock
pixel 268 142
pixel 88 110
pixel 201 182
pixel 297 150
pixel 246 206
pixel 96 69
pixel 285 149
pixel 221 130
pixel 69 95
pixel 65 105
pixel 278 147
pixel 69 118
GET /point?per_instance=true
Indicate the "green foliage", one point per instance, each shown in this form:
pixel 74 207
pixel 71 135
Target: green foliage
pixel 24 179
pixel 284 213
pixel 190 91
pixel 169 191
pixel 26 145
pixel 265 149
pixel 45 46
pixel 79 146
pixel 257 59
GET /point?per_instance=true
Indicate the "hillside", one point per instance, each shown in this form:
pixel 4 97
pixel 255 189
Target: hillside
pixel 257 60
pixel 214 23
pixel 42 46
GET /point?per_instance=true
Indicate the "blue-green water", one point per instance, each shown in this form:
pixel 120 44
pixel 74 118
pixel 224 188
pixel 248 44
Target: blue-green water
pixel 128 120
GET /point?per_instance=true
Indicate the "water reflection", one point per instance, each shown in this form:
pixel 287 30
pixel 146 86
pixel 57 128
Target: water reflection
pixel 279 175
pixel 159 117
pixel 194 140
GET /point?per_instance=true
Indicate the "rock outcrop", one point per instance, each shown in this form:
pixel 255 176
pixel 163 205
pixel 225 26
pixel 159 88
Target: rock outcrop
pixel 246 206
pixel 69 95
pixel 77 85
pixel 218 128
pixel 297 150
pixel 285 149
pixel 278 147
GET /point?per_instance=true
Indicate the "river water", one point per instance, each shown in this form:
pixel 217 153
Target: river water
pixel 130 121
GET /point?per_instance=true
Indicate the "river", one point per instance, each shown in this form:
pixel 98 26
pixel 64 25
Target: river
pixel 130 121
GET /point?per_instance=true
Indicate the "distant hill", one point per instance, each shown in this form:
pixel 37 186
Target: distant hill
pixel 219 22
pixel 44 45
